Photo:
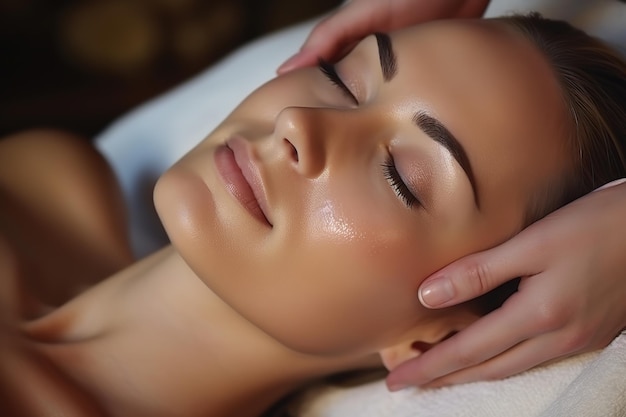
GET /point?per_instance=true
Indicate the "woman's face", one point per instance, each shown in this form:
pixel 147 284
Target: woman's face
pixel 318 206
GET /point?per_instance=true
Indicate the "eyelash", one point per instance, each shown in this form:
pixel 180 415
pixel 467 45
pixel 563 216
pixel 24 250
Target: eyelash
pixel 400 188
pixel 330 72
pixel 389 168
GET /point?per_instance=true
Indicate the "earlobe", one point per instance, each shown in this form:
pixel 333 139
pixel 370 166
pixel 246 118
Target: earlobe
pixel 402 352
pixel 424 336
pixel 395 355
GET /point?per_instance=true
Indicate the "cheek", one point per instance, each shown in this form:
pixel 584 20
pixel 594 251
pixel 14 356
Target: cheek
pixel 347 282
pixel 356 231
pixel 340 278
pixel 350 298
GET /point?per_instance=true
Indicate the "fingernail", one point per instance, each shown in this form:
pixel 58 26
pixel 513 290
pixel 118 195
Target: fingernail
pixel 397 387
pixel 289 64
pixel 436 292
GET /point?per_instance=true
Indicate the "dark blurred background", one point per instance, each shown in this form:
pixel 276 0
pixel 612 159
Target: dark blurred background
pixel 78 64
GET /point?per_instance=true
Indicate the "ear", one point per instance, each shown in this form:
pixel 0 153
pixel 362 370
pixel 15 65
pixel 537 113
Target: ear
pixel 424 336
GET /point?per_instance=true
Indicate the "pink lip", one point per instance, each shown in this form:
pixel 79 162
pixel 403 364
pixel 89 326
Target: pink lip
pixel 241 177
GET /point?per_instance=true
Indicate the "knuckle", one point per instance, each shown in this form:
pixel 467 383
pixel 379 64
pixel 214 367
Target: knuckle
pixel 551 316
pixel 576 340
pixel 464 359
pixel 479 277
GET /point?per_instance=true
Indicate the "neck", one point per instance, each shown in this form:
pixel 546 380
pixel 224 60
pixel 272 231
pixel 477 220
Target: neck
pixel 155 340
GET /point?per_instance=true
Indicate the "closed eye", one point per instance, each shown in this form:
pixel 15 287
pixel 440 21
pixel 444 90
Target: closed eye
pixel 394 179
pixel 330 72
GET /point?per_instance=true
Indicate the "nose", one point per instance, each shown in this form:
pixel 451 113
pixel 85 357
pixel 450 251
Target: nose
pixel 315 138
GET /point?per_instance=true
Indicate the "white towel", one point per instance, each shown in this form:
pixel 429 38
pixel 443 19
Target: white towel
pixel 588 385
pixel 598 391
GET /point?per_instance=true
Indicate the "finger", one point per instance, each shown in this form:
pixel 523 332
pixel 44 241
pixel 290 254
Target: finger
pixel 520 358
pixel 350 23
pixel 301 59
pixel 333 36
pixel 477 274
pixel 484 339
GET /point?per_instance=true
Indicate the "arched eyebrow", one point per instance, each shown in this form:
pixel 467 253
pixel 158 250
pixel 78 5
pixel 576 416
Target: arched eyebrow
pixel 388 61
pixel 434 129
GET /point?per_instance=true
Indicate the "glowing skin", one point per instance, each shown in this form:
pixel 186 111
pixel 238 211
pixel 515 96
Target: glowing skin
pixel 336 268
pixel 310 216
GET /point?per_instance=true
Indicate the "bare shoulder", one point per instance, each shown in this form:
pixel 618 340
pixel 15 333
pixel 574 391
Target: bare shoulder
pixel 30 384
pixel 51 166
pixel 61 210
pixel 12 300
pixel 46 178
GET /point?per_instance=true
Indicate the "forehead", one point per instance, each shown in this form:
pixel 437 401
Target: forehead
pixel 494 90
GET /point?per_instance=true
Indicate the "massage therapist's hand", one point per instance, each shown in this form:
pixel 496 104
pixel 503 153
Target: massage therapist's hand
pixel 335 35
pixel 570 299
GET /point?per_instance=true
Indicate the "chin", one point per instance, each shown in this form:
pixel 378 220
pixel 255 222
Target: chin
pixel 183 203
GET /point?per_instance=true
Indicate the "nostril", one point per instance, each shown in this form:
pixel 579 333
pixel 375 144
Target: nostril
pixel 292 149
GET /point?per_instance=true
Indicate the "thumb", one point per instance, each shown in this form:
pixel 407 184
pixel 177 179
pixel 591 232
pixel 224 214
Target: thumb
pixel 477 274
